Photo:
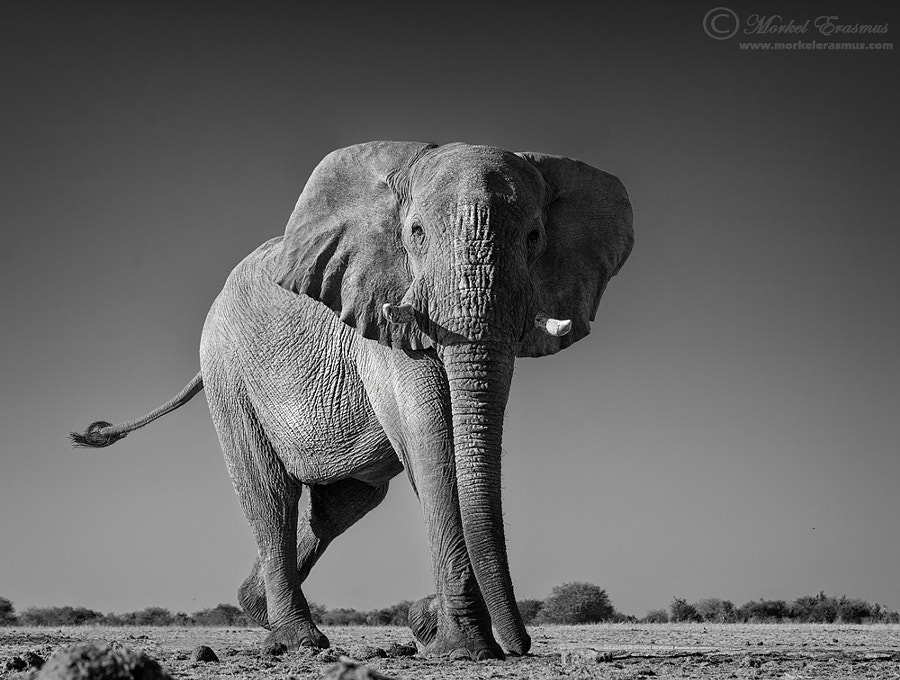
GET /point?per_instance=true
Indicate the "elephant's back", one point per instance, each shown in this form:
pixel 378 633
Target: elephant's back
pixel 251 305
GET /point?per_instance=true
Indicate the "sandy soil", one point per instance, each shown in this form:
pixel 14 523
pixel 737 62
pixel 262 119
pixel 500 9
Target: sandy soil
pixel 617 651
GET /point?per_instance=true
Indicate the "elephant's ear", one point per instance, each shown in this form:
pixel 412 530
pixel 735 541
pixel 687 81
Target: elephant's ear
pixel 588 238
pixel 342 243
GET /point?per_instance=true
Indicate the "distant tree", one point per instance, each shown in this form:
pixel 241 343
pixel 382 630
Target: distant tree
pixel 854 611
pixel 318 612
pixel 680 610
pixel 763 611
pixel 714 610
pixel 378 617
pixel 813 609
pixel 221 615
pixel 153 616
pixel 656 616
pixel 576 603
pixel 888 616
pixel 395 615
pixel 400 613
pixel 529 609
pixel 7 613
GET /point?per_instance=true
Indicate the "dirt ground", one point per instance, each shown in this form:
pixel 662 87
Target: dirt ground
pixel 615 651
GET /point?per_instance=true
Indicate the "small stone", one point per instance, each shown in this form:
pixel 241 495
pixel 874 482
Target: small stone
pixel 366 652
pixel 575 657
pixel 330 655
pixel 750 662
pixel 204 654
pixel 348 669
pixel 275 649
pixel 396 650
pixel 307 652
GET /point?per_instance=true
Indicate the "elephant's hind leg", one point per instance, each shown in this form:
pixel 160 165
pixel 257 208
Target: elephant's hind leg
pixel 269 497
pixel 332 509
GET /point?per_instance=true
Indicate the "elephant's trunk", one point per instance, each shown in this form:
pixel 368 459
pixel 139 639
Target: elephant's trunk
pixel 479 376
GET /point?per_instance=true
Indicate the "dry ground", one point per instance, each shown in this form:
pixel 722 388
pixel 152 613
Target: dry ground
pixel 616 651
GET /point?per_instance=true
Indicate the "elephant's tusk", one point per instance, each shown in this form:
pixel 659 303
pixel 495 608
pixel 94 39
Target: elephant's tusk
pixel 398 313
pixel 554 327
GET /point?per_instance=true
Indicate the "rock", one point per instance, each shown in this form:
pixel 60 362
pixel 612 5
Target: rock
pixel 89 661
pixel 348 669
pixel 204 654
pixel 33 659
pixel 15 664
pixel 395 650
pixel 366 652
pixel 27 661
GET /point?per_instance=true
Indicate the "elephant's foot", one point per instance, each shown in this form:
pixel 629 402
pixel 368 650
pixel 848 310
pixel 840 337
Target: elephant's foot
pixel 252 597
pixel 455 645
pixel 292 637
pixel 454 639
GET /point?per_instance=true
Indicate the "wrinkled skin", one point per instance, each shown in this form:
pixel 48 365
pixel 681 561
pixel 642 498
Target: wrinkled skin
pixel 311 387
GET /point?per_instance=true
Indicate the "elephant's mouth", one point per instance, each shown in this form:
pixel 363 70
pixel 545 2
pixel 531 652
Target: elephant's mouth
pixel 407 313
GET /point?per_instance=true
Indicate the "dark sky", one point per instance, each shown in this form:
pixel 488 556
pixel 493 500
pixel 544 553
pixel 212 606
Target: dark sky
pixel 730 428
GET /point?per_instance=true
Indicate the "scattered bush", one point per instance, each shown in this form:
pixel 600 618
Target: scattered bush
pixel 344 617
pixel 529 609
pixel 680 610
pixel 576 603
pixel 59 616
pixel 570 603
pixel 822 608
pixel 7 613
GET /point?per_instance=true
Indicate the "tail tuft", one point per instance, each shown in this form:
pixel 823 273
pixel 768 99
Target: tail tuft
pixel 94 437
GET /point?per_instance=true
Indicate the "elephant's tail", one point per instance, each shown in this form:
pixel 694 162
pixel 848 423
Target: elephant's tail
pixel 101 433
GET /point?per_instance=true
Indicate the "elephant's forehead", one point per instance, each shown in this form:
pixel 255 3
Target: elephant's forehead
pixel 462 173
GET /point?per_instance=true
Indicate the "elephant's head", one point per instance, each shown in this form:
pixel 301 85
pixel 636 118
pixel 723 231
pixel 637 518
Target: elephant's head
pixel 479 253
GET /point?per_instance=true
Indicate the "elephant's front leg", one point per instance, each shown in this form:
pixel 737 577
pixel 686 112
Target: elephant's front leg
pixel 416 416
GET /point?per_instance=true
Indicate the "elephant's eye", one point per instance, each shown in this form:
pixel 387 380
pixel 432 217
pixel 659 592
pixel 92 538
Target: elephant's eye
pixel 533 237
pixel 417 233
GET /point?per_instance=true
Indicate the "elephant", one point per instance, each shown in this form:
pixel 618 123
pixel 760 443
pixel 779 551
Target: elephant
pixel 378 335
